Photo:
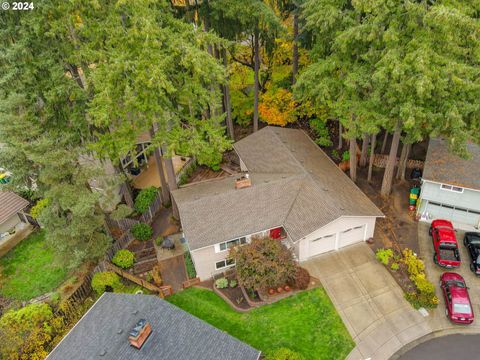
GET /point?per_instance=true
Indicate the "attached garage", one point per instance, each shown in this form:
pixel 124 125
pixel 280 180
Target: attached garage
pixel 456 214
pixel 342 232
pixel 322 244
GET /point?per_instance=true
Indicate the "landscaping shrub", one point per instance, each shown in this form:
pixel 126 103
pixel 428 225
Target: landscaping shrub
pixel 124 258
pixel 233 283
pixel 345 156
pixel 102 280
pixel 384 255
pixel 302 278
pixel 142 231
pixel 38 207
pixel 121 212
pixel 191 272
pixel 322 135
pixel 283 354
pixel 221 283
pixel 262 264
pixel 415 266
pixel 145 198
pixel 395 266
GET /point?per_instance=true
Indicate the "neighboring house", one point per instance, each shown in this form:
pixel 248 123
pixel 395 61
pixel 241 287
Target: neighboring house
pixel 104 331
pixel 11 210
pixel 294 192
pixel 450 185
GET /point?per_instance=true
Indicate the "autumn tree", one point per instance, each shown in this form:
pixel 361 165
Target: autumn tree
pixel 263 263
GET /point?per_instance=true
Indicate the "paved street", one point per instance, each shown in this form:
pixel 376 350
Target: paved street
pixel 458 347
pixel 369 301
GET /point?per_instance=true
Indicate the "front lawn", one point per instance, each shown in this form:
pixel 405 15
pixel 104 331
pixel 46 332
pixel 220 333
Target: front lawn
pixel 29 269
pixel 306 323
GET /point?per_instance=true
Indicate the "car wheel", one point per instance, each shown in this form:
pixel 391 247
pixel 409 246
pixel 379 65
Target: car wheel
pixel 430 231
pixel 446 312
pixel 472 267
pixel 435 259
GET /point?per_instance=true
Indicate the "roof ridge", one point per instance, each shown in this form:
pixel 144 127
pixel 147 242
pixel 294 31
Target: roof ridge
pixel 289 150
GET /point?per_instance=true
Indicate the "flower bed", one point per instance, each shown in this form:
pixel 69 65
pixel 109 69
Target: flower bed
pixel 409 272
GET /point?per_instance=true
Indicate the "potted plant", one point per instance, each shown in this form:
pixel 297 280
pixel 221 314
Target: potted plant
pixel 287 288
pixel 271 291
pixel 279 289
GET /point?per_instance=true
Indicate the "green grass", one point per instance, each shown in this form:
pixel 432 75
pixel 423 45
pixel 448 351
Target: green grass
pixel 29 269
pixel 306 322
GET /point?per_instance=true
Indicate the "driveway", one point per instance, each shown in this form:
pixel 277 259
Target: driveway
pixel 438 320
pixel 369 301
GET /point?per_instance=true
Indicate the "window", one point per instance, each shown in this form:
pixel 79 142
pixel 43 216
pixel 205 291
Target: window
pixel 231 243
pixel 324 237
pixel 224 264
pixel 451 188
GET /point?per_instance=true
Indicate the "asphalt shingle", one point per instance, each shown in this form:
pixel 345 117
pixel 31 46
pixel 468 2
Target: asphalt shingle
pixel 176 335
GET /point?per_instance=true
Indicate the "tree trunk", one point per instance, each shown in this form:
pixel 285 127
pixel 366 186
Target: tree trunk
pixel 353 159
pixel 165 194
pixel 295 47
pixel 402 164
pixel 372 157
pixel 384 144
pixel 340 138
pixel 392 158
pixel 226 100
pixel 364 154
pixel 256 78
pixel 172 181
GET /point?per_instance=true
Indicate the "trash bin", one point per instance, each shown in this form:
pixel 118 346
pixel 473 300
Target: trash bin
pixel 412 201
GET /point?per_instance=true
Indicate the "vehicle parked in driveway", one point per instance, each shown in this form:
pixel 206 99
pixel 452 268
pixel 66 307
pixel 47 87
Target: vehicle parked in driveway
pixel 472 243
pixel 445 246
pixel 458 306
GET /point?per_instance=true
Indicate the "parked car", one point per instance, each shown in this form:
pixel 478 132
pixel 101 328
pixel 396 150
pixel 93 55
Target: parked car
pixel 458 306
pixel 472 243
pixel 445 246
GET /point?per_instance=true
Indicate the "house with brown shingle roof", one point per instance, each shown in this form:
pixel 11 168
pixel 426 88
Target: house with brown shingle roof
pixel 451 186
pixel 290 190
pixel 11 205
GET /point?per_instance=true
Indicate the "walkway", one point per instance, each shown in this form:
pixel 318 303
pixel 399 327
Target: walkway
pixel 173 272
pixel 369 301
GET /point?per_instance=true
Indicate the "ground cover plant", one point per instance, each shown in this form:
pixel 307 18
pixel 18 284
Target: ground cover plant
pixel 306 323
pixel 30 269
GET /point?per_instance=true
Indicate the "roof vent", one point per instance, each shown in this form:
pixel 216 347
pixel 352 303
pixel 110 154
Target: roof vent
pixel 140 333
pixel 342 208
pixel 119 331
pixel 326 189
pixel 135 312
pixel 103 353
pixel 243 182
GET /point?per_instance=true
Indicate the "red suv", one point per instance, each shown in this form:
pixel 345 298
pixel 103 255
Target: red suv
pixel 445 246
pixel 458 305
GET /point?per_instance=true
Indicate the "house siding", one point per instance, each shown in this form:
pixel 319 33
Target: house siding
pixel 336 227
pixel 11 222
pixel 205 258
pixel 432 192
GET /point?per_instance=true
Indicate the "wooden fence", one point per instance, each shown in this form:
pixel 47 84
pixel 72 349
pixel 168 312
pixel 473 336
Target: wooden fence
pixel 191 282
pixel 148 215
pixel 162 291
pixel 123 224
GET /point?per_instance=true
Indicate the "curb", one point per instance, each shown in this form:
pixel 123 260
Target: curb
pixel 433 335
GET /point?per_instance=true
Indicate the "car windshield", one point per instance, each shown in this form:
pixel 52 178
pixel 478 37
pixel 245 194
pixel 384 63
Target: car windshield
pixel 478 260
pixel 462 308
pixel 456 283
pixel 448 246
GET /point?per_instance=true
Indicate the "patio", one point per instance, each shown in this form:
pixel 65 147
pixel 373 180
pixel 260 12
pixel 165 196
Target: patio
pixel 149 176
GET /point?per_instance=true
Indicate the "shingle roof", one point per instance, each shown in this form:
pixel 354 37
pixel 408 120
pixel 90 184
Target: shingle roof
pixel 294 184
pixel 444 167
pixel 176 335
pixel 10 204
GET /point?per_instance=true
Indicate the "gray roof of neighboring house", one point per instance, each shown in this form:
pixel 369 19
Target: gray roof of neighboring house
pixel 294 184
pixel 10 204
pixel 444 167
pixel 176 335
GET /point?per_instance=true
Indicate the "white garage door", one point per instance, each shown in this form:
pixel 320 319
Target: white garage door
pixel 322 244
pixel 460 215
pixel 351 236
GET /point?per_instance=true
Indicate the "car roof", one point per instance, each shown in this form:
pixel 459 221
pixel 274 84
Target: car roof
pixel 459 295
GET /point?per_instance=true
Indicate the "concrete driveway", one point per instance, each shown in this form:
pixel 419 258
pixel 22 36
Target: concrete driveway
pixel 369 301
pixel 438 320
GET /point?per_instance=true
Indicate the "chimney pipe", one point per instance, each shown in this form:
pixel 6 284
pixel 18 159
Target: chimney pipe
pixel 140 333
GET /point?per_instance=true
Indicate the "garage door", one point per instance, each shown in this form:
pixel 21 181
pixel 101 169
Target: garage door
pixel 322 244
pixel 351 236
pixel 459 215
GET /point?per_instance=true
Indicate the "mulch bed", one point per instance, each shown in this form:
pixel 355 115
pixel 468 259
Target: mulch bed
pixel 235 295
